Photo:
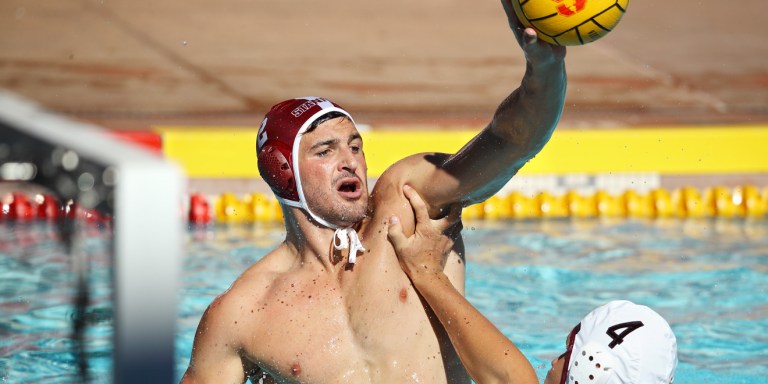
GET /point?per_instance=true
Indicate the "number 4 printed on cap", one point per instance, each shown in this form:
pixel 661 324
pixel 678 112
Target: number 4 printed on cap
pixel 628 327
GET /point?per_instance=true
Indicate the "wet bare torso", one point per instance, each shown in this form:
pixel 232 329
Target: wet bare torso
pixel 366 324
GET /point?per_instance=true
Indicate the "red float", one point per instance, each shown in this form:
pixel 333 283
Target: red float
pixel 199 209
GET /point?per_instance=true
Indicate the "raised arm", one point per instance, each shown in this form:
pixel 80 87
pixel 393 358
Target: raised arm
pixel 486 353
pixel 519 129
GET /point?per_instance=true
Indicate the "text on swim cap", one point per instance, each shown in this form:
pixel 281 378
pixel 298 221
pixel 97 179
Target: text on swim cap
pixel 306 106
pixel 628 327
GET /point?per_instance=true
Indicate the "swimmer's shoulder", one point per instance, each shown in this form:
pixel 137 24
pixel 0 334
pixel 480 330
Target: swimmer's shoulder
pixel 251 286
pixel 253 282
pixel 417 171
pixel 411 168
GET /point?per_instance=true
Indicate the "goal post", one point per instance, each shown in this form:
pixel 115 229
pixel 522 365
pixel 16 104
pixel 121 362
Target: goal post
pixel 143 194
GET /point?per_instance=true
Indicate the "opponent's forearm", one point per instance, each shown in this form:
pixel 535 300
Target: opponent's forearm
pixel 486 353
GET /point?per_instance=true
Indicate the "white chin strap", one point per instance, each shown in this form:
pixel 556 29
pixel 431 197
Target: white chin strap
pixel 348 239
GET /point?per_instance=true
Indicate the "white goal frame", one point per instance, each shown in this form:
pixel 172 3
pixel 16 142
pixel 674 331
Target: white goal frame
pixel 148 225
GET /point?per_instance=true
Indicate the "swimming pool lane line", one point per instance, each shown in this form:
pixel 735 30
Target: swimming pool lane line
pixel 719 202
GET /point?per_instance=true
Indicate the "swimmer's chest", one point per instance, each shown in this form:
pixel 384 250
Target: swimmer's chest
pixel 370 324
pixel 383 307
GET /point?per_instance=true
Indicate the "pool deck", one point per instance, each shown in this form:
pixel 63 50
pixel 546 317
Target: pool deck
pixel 429 64
pixel 399 65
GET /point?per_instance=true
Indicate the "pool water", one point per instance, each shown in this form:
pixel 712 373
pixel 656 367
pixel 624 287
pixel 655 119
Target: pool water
pixel 37 292
pixel 535 280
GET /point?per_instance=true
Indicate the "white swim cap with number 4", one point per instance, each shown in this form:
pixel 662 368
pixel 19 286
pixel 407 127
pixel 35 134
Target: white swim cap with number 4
pixel 622 342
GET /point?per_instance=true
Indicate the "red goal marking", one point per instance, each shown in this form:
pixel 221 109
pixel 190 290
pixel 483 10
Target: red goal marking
pixel 570 10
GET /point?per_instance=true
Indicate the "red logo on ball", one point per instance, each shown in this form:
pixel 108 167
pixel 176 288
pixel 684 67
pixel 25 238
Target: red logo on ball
pixel 570 10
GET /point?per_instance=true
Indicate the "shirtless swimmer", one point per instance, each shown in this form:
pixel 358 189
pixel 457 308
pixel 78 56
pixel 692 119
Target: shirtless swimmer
pixel 331 303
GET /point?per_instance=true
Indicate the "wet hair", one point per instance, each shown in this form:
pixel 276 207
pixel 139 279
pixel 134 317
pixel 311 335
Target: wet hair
pixel 324 118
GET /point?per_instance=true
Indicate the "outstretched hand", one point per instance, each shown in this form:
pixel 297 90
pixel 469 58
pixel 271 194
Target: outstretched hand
pixel 424 253
pixel 536 51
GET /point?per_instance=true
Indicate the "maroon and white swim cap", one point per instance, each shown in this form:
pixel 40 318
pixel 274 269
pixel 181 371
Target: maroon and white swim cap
pixel 277 146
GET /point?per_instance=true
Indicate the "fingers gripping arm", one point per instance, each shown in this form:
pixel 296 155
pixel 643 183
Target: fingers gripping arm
pixel 486 353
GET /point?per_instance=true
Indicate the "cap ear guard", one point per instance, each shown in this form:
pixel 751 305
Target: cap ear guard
pixel 276 170
pixel 592 365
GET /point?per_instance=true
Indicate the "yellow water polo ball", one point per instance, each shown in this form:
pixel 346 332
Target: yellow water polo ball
pixel 570 22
